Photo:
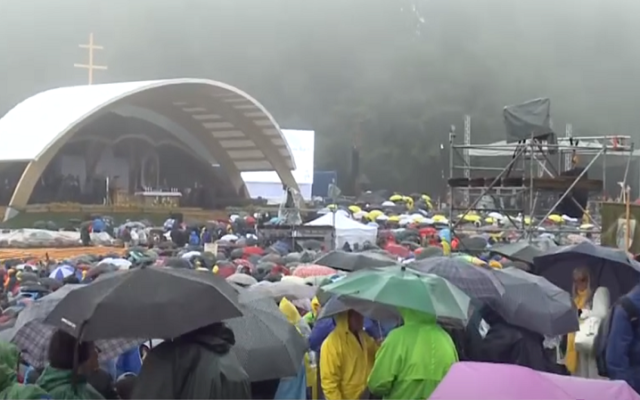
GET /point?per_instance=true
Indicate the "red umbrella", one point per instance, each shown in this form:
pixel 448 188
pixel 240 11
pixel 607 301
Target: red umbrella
pixel 428 231
pixel 253 251
pixel 279 269
pixel 305 271
pixel 226 271
pixel 243 262
pixel 397 250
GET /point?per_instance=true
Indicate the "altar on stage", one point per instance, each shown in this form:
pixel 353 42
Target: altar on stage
pixel 159 198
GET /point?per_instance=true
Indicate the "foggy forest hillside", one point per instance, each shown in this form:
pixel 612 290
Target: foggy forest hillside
pixel 398 71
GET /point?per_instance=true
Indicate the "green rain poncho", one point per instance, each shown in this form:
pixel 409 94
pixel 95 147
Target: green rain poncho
pixel 413 359
pixel 9 386
pixel 62 385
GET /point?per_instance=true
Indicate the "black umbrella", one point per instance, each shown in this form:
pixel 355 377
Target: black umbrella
pixel 271 257
pixel 608 267
pixel 267 345
pixel 34 287
pixel 523 250
pixel 177 262
pixel 25 277
pixel 278 290
pixel 477 282
pixel 517 264
pixel 311 244
pixel 51 283
pixel 346 261
pixel 146 303
pixel 430 251
pixel 534 303
pixel 32 336
pixel 474 244
pixel 100 269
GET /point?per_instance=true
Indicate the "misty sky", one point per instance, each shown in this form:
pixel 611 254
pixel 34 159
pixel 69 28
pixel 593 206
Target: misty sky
pixel 296 55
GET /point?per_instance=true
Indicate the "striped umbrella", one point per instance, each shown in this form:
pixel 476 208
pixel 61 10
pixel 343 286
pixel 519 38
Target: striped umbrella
pixel 306 271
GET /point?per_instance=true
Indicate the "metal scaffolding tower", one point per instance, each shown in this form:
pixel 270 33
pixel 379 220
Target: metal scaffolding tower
pixel 539 176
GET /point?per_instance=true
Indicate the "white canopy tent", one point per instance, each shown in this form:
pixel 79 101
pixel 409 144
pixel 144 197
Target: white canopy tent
pixel 347 230
pixel 267 184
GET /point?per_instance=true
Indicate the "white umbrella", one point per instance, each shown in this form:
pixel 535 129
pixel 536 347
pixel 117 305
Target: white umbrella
pixel 190 254
pixel 121 263
pixel 242 279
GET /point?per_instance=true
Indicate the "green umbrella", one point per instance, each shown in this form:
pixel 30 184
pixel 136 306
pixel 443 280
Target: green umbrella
pixel 404 287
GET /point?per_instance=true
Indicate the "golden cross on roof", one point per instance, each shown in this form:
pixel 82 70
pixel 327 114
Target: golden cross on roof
pixel 91 66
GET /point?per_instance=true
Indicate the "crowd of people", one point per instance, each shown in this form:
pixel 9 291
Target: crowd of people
pixel 350 355
pixel 398 343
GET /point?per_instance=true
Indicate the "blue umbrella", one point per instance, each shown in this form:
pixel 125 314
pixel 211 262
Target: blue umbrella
pixel 609 267
pixel 63 271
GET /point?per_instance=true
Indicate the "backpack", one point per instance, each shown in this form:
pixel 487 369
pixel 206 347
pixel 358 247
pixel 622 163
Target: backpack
pixel 602 336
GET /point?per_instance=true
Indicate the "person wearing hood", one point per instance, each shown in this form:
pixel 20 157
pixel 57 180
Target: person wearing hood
pixel 623 343
pixel 413 359
pixel 296 387
pixel 98 225
pixel 346 358
pixel 323 327
pixel 205 236
pixel 310 316
pixel 194 239
pixel 293 316
pixel 196 365
pixel 60 379
pixel 9 386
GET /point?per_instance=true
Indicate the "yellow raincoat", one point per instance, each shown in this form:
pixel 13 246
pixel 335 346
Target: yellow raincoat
pixel 446 247
pixel 293 316
pixel 345 361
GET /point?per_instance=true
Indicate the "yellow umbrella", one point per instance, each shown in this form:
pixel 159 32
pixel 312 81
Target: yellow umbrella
pixel 373 214
pixel 355 209
pixel 472 218
pixel 556 218
pixel 408 201
pixel 439 218
pixel 496 235
pixel 396 197
pixel 332 207
pixel 489 220
pixel 394 218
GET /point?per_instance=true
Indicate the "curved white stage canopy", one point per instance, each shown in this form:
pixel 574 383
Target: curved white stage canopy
pixel 267 184
pixel 234 129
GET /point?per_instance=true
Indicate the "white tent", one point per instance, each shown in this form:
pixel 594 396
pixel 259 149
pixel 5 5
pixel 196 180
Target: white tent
pixel 347 230
pixel 267 184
